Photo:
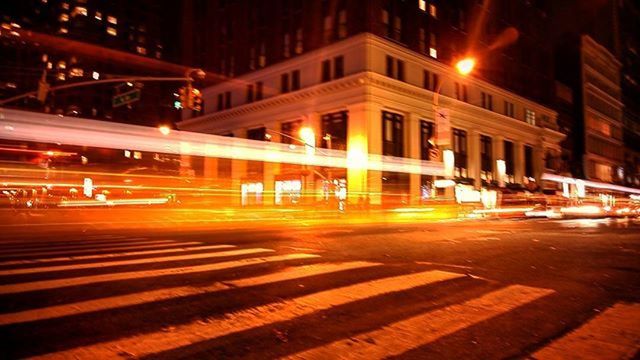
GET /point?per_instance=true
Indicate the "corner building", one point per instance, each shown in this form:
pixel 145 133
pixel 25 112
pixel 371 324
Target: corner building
pixel 373 93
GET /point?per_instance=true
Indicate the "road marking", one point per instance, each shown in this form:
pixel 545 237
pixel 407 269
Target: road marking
pixel 134 261
pixel 154 245
pixel 108 256
pixel 80 246
pixel 114 302
pixel 402 336
pixel 197 331
pixel 93 279
pixel 614 334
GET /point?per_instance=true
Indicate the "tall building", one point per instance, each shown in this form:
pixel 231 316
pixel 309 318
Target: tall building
pixel 597 66
pixel 370 77
pixel 67 41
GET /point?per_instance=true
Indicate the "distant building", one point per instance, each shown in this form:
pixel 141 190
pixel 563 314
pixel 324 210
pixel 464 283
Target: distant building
pixel 83 40
pixel 364 75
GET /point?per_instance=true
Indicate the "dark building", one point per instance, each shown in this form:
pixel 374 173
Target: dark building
pixel 68 41
pixel 236 37
pixel 597 67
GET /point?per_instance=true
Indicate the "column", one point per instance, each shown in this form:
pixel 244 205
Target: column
pixel 238 171
pixel 364 136
pixel 538 162
pixel 271 169
pixel 518 172
pixel 474 161
pixel 412 140
pixel 498 153
pixel 310 191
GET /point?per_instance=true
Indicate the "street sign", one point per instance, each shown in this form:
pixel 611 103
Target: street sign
pixel 443 127
pixel 126 98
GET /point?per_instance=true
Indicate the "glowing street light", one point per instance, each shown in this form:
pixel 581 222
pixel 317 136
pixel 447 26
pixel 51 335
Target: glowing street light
pixel 164 130
pixel 465 66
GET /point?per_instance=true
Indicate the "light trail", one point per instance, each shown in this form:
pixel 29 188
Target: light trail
pixel 45 128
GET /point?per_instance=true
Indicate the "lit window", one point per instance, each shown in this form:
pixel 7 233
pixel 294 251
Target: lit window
pixel 112 20
pixel 112 31
pixel 137 155
pixel 64 30
pixel 64 17
pixel 45 57
pixel 65 6
pixel 76 72
pixel 342 24
pixel 62 76
pixel 433 53
pixel 433 11
pixel 49 65
pixel 141 50
pixel 422 4
pixel 62 65
pixel 530 117
pixel 95 75
pixel 79 10
pixel 98 16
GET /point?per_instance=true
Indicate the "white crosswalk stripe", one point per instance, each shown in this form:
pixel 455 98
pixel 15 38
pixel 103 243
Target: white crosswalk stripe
pixel 114 302
pixel 177 248
pixel 186 334
pixel 414 332
pixel 134 262
pixel 154 244
pixel 81 246
pixel 614 334
pixel 94 279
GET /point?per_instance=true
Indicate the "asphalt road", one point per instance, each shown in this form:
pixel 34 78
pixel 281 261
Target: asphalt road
pixel 472 289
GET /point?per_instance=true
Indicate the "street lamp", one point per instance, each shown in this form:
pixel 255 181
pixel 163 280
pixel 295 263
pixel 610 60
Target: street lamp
pixel 308 137
pixel 465 66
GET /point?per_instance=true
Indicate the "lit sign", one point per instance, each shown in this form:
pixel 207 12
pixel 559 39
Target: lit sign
pixel 87 188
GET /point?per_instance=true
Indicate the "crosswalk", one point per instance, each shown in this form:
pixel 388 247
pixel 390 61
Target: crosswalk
pixel 113 297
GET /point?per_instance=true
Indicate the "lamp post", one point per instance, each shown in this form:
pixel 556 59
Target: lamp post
pixel 464 67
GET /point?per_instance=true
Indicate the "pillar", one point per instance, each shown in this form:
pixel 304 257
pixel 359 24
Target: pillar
pixel 474 161
pixel 271 169
pixel 518 172
pixel 412 140
pixel 238 171
pixel 364 136
pixel 498 153
pixel 310 192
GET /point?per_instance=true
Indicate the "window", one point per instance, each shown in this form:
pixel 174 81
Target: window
pixel 112 31
pixel 286 45
pixel 227 100
pixel 430 80
pixel 220 102
pixel 342 24
pixel 508 108
pixel 262 58
pixel 338 67
pixel 257 134
pixel 400 75
pixel 486 158
pixel 64 17
pixel 433 11
pixel 528 161
pixel 389 66
pixel 392 134
pixel 290 130
pixel 509 161
pixel 284 83
pixel 603 172
pixel 299 44
pixel 79 10
pixel 112 20
pixel 249 93
pixel 98 16
pixel 487 101
pixel 328 28
pixel 259 87
pixel 422 5
pixel 461 92
pixel 530 117
pixel 422 40
pixel 326 70
pixel 460 153
pixel 426 139
pixel 433 52
pixel 295 80
pixel 395 68
pixel 335 126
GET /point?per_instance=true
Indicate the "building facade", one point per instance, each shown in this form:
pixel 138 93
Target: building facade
pixel 368 94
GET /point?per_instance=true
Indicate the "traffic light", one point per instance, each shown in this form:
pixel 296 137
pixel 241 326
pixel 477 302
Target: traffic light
pixel 185 95
pixel 196 99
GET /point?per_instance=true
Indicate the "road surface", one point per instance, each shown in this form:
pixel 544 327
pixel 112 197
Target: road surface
pixel 472 289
